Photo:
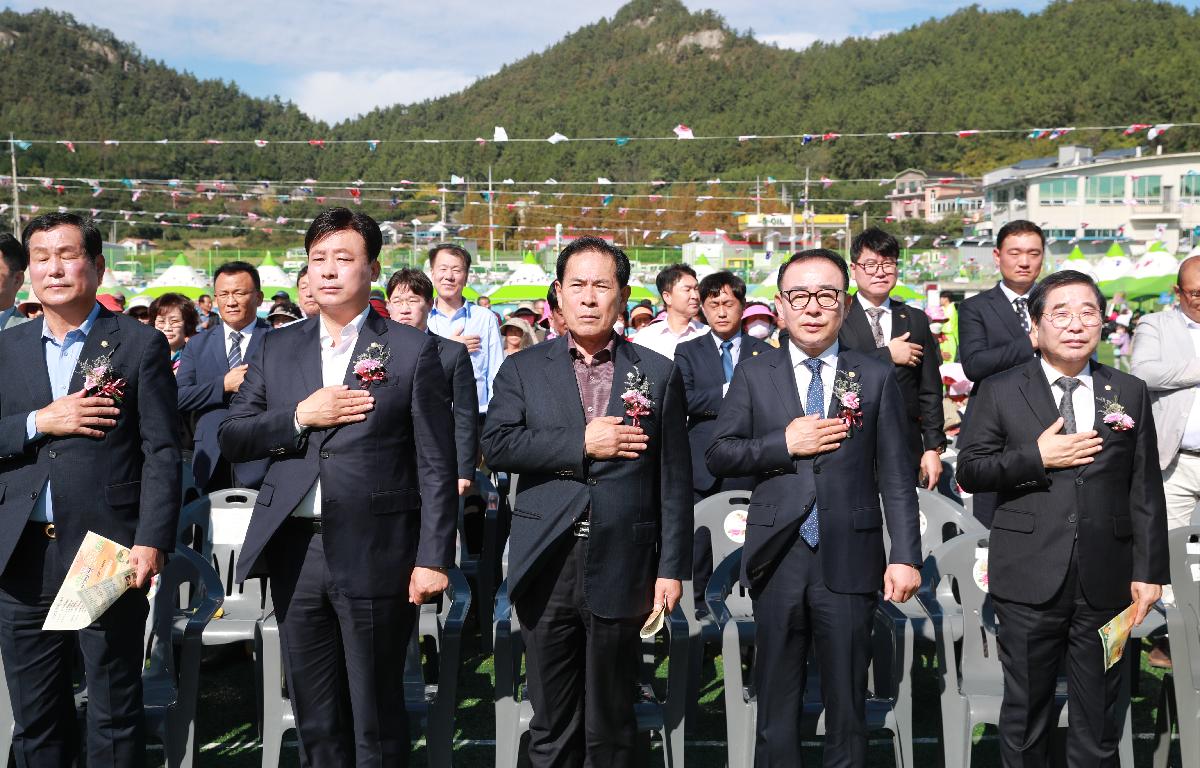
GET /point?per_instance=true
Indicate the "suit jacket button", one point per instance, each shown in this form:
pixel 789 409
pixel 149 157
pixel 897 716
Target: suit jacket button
pixel 816 470
pixel 33 494
pixel 324 454
pixel 1079 481
pixel 1070 518
pixel 53 455
pixel 591 481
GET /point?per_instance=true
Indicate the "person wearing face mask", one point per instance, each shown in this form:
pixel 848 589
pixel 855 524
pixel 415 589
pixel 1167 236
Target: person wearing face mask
pixel 758 322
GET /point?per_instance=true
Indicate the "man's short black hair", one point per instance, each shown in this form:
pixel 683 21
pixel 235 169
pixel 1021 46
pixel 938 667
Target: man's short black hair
pixel 93 243
pixel 1041 291
pixel 202 297
pixel 874 239
pixel 713 284
pixel 13 253
pixel 414 280
pixel 333 220
pixel 673 274
pixel 816 253
pixel 589 243
pixel 552 298
pixel 453 248
pixel 238 267
pixel 1019 227
pixel 300 275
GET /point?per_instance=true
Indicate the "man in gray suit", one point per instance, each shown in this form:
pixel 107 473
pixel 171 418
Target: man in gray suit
pixel 1166 355
pixel 12 274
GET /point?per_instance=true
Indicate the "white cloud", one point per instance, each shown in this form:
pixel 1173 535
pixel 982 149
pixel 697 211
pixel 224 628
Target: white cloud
pixel 337 95
pixel 797 41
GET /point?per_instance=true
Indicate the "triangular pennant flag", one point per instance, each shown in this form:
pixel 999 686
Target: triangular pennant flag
pixel 898 135
pixel 965 134
pixel 456 179
pixel 260 143
pixel 1153 133
pixel 372 144
pixel 1058 133
pixel 622 141
pixel 747 137
pixel 602 180
pixel 70 145
pixel 557 138
pixel 499 135
pixel 23 145
pixel 318 143
pixel 683 132
pixel 1135 128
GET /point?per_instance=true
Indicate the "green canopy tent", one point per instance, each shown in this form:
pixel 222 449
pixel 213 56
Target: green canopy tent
pixel 1115 250
pixel 1076 254
pixel 511 294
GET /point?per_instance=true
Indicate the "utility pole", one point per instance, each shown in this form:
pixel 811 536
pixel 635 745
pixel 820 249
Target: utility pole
pixel 758 195
pixel 12 154
pixel 807 237
pixel 491 222
pixel 792 225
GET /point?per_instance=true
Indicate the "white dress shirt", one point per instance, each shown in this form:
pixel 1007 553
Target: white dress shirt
pixel 1083 398
pixel 335 362
pixel 1012 296
pixel 885 318
pixel 1191 430
pixel 829 363
pixel 735 351
pixel 660 338
pixel 247 331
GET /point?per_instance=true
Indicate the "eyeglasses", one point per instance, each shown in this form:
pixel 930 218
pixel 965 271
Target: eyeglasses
pixel 162 323
pixel 411 301
pixel 871 267
pixel 1088 318
pixel 798 298
pixel 1193 295
pixel 239 295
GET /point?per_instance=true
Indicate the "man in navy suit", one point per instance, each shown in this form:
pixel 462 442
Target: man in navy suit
pixel 995 332
pixel 72 461
pixel 706 365
pixel 601 529
pixel 1080 531
pixel 212 368
pixel 822 429
pixel 355 522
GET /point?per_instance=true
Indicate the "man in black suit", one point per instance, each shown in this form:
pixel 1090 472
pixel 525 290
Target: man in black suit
pixel 410 298
pixel 814 556
pixel 72 462
pixel 355 522
pixel 898 334
pixel 706 365
pixel 994 329
pixel 602 529
pixel 212 368
pixel 1080 532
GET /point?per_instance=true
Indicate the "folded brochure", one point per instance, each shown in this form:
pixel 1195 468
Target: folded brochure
pixel 100 573
pixel 1114 635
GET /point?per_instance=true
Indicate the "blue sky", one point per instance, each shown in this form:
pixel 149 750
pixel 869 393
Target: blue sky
pixel 339 59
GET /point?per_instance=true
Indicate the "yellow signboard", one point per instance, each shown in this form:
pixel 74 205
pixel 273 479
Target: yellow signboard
pixel 834 219
pixel 768 220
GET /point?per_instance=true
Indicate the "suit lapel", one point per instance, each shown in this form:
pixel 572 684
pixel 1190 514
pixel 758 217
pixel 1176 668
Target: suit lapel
pixel 1005 312
pixel 39 382
pixel 847 370
pixel 217 348
pixel 563 385
pixel 625 359
pixel 256 333
pixel 785 382
pixel 372 331
pixel 1037 394
pixel 900 322
pixel 1104 388
pixel 858 328
pixel 103 339
pixel 309 356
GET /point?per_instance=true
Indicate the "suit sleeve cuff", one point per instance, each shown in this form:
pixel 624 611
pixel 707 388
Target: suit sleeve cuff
pixel 31 433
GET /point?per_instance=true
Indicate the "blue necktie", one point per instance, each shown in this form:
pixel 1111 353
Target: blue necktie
pixel 814 404
pixel 727 360
pixel 235 350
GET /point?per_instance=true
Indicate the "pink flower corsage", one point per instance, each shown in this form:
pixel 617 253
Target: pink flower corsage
pixel 636 397
pixel 370 366
pixel 99 380
pixel 846 390
pixel 1114 416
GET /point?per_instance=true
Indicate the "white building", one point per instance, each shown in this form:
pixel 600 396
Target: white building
pixel 1090 200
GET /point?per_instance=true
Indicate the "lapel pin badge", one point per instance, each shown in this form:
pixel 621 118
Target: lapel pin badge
pixel 104 344
pixel 1107 387
pixel 850 374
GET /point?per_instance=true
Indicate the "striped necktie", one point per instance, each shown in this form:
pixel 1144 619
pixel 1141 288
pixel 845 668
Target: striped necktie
pixel 235 349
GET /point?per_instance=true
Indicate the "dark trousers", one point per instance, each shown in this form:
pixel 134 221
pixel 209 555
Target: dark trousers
pixel 581 669
pixel 343 658
pixel 792 611
pixel 38 666
pixel 1033 642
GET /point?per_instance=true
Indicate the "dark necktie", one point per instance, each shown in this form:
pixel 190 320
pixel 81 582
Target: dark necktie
pixel 235 349
pixel 876 329
pixel 815 403
pixel 1021 305
pixel 1066 406
pixel 727 360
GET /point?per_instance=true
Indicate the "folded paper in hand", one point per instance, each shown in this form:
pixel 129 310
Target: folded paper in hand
pixel 1114 634
pixel 653 623
pixel 100 573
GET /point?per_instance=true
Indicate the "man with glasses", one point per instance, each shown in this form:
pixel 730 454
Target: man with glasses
pixel 1161 358
pixel 994 329
pixel 1068 445
pixel 822 430
pixel 898 334
pixel 457 319
pixel 211 370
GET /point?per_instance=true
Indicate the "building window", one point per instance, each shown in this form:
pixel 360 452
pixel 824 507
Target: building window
pixel 1058 191
pixel 1105 190
pixel 1147 189
pixel 1189 187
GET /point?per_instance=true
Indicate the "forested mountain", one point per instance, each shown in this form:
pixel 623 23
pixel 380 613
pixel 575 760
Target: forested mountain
pixel 652 66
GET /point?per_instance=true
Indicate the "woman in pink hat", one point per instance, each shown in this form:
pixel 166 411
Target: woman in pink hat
pixel 759 321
